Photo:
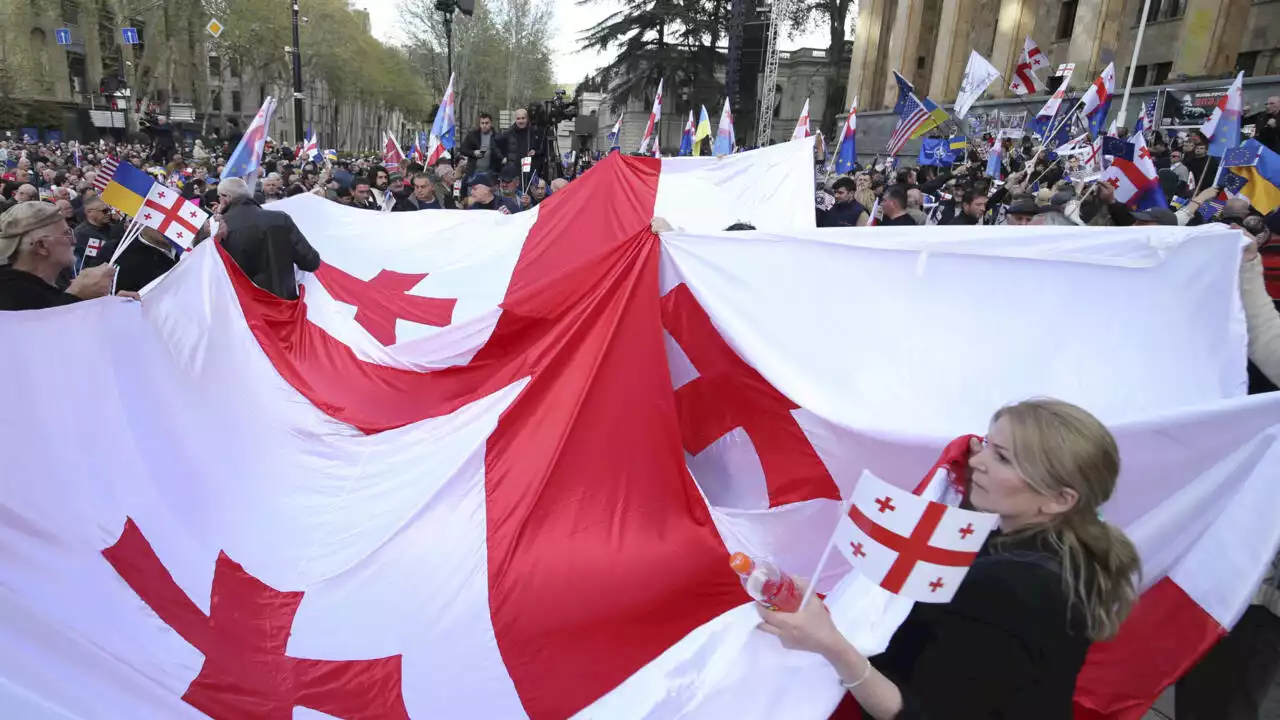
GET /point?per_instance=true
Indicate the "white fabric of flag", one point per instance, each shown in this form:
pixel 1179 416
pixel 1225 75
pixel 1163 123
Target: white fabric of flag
pixel 979 73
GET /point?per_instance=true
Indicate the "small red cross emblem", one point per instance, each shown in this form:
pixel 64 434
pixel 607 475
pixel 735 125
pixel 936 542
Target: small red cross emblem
pixel 160 194
pixel 192 214
pixel 966 531
pixel 936 585
pixel 857 550
pixel 1144 153
pixel 886 504
pixel 1113 182
pixel 147 216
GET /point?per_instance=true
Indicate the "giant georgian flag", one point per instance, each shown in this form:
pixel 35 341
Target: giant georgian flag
pixel 453 479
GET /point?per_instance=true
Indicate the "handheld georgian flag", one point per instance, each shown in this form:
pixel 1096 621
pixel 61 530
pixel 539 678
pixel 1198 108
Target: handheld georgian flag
pixel 1135 181
pixel 686 137
pixel 392 156
pixel 703 130
pixel 173 215
pixel 725 138
pixel 802 123
pixel 847 148
pixel 444 129
pixel 1223 127
pixel 650 144
pixel 247 156
pixel 1097 99
pixel 910 546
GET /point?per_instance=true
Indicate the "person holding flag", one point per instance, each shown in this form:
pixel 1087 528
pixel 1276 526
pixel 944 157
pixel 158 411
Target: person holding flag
pixel 1055 579
pixel 482 147
pixel 702 133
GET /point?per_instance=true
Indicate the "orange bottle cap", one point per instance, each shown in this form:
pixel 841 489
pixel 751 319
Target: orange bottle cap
pixel 741 563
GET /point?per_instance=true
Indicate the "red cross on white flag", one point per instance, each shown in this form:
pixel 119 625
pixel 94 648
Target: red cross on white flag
pixel 175 217
pixel 911 546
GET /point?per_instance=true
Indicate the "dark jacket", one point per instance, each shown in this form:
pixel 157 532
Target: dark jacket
pixel 497 150
pixel 23 291
pixel 142 262
pixel 107 238
pixel 267 245
pixel 841 215
pixel 1268 135
pixel 1009 645
pixel 963 218
pixel 504 205
pixel 411 203
pixel 903 219
pixel 518 143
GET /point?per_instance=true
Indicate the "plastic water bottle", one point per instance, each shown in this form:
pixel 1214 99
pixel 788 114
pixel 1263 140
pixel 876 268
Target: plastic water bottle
pixel 766 584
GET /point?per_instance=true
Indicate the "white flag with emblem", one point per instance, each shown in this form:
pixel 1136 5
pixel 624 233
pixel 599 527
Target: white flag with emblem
pixel 911 546
pixel 978 75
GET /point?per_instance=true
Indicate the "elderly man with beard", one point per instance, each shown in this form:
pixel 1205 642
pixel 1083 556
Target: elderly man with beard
pixel 36 246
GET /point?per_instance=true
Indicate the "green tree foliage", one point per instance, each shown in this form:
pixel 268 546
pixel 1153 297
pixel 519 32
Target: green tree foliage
pixel 672 40
pixel 43 114
pixel 501 54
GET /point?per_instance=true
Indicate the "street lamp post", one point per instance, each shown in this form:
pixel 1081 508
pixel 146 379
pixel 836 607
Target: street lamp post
pixel 297 78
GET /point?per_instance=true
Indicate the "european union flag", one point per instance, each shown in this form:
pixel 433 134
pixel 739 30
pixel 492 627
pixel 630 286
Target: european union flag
pixel 1233 183
pixel 1244 156
pixel 1117 148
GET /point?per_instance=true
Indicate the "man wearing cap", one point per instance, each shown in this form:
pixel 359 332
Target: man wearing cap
pixel 1021 212
pixel 35 247
pixel 511 187
pixel 483 197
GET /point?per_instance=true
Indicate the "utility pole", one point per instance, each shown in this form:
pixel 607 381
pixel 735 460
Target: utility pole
pixel 297 78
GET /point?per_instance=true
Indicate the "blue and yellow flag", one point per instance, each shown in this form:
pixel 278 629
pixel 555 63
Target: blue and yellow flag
pixel 702 132
pixel 937 116
pixel 959 142
pixel 1260 168
pixel 127 189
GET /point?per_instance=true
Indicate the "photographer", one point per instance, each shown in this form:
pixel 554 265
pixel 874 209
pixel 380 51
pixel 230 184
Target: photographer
pixel 481 148
pixel 524 139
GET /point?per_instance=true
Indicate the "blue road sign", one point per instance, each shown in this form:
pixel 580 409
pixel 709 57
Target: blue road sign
pixel 129 36
pixel 63 35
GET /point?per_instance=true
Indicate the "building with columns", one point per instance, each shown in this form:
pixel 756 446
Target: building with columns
pixel 928 41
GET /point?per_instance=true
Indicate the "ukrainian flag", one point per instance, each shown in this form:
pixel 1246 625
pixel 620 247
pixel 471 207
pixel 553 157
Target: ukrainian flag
pixel 702 132
pixel 127 189
pixel 959 142
pixel 1262 177
pixel 937 116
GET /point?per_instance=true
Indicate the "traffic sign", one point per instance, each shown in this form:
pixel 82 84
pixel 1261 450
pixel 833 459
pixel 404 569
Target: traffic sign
pixel 214 27
pixel 63 35
pixel 129 36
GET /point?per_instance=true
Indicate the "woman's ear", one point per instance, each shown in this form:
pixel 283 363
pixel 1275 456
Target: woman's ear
pixel 1063 502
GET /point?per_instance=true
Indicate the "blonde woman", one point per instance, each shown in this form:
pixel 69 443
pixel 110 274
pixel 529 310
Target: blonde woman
pixel 1053 579
pixel 862 192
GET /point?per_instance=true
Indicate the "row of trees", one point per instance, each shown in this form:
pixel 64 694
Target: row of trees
pixel 682 41
pixel 501 54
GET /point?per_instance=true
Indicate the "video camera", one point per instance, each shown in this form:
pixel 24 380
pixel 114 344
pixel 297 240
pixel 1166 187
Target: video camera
pixel 549 113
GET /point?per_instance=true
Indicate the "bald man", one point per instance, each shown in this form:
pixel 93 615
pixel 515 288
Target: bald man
pixel 1266 124
pixel 26 193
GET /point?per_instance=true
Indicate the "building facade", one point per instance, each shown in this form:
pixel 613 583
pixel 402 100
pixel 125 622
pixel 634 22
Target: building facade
pixel 928 41
pixel 64 54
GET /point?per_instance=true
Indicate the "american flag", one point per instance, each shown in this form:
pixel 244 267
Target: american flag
pixel 105 173
pixel 911 115
pixel 1146 119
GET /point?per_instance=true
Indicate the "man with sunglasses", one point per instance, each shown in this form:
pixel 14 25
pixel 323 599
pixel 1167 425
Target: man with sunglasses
pixel 36 245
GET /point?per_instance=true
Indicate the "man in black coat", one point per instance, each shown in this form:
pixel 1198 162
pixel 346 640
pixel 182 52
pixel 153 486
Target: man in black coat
pixel 894 206
pixel 973 205
pixel 524 139
pixel 846 212
pixel 97 236
pixel 482 148
pixel 423 196
pixel 265 244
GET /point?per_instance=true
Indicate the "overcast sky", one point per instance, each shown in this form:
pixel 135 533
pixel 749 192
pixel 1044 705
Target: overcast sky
pixel 570 19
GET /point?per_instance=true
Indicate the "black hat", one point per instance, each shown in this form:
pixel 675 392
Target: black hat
pixel 509 173
pixel 1024 207
pixel 482 179
pixel 1161 216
